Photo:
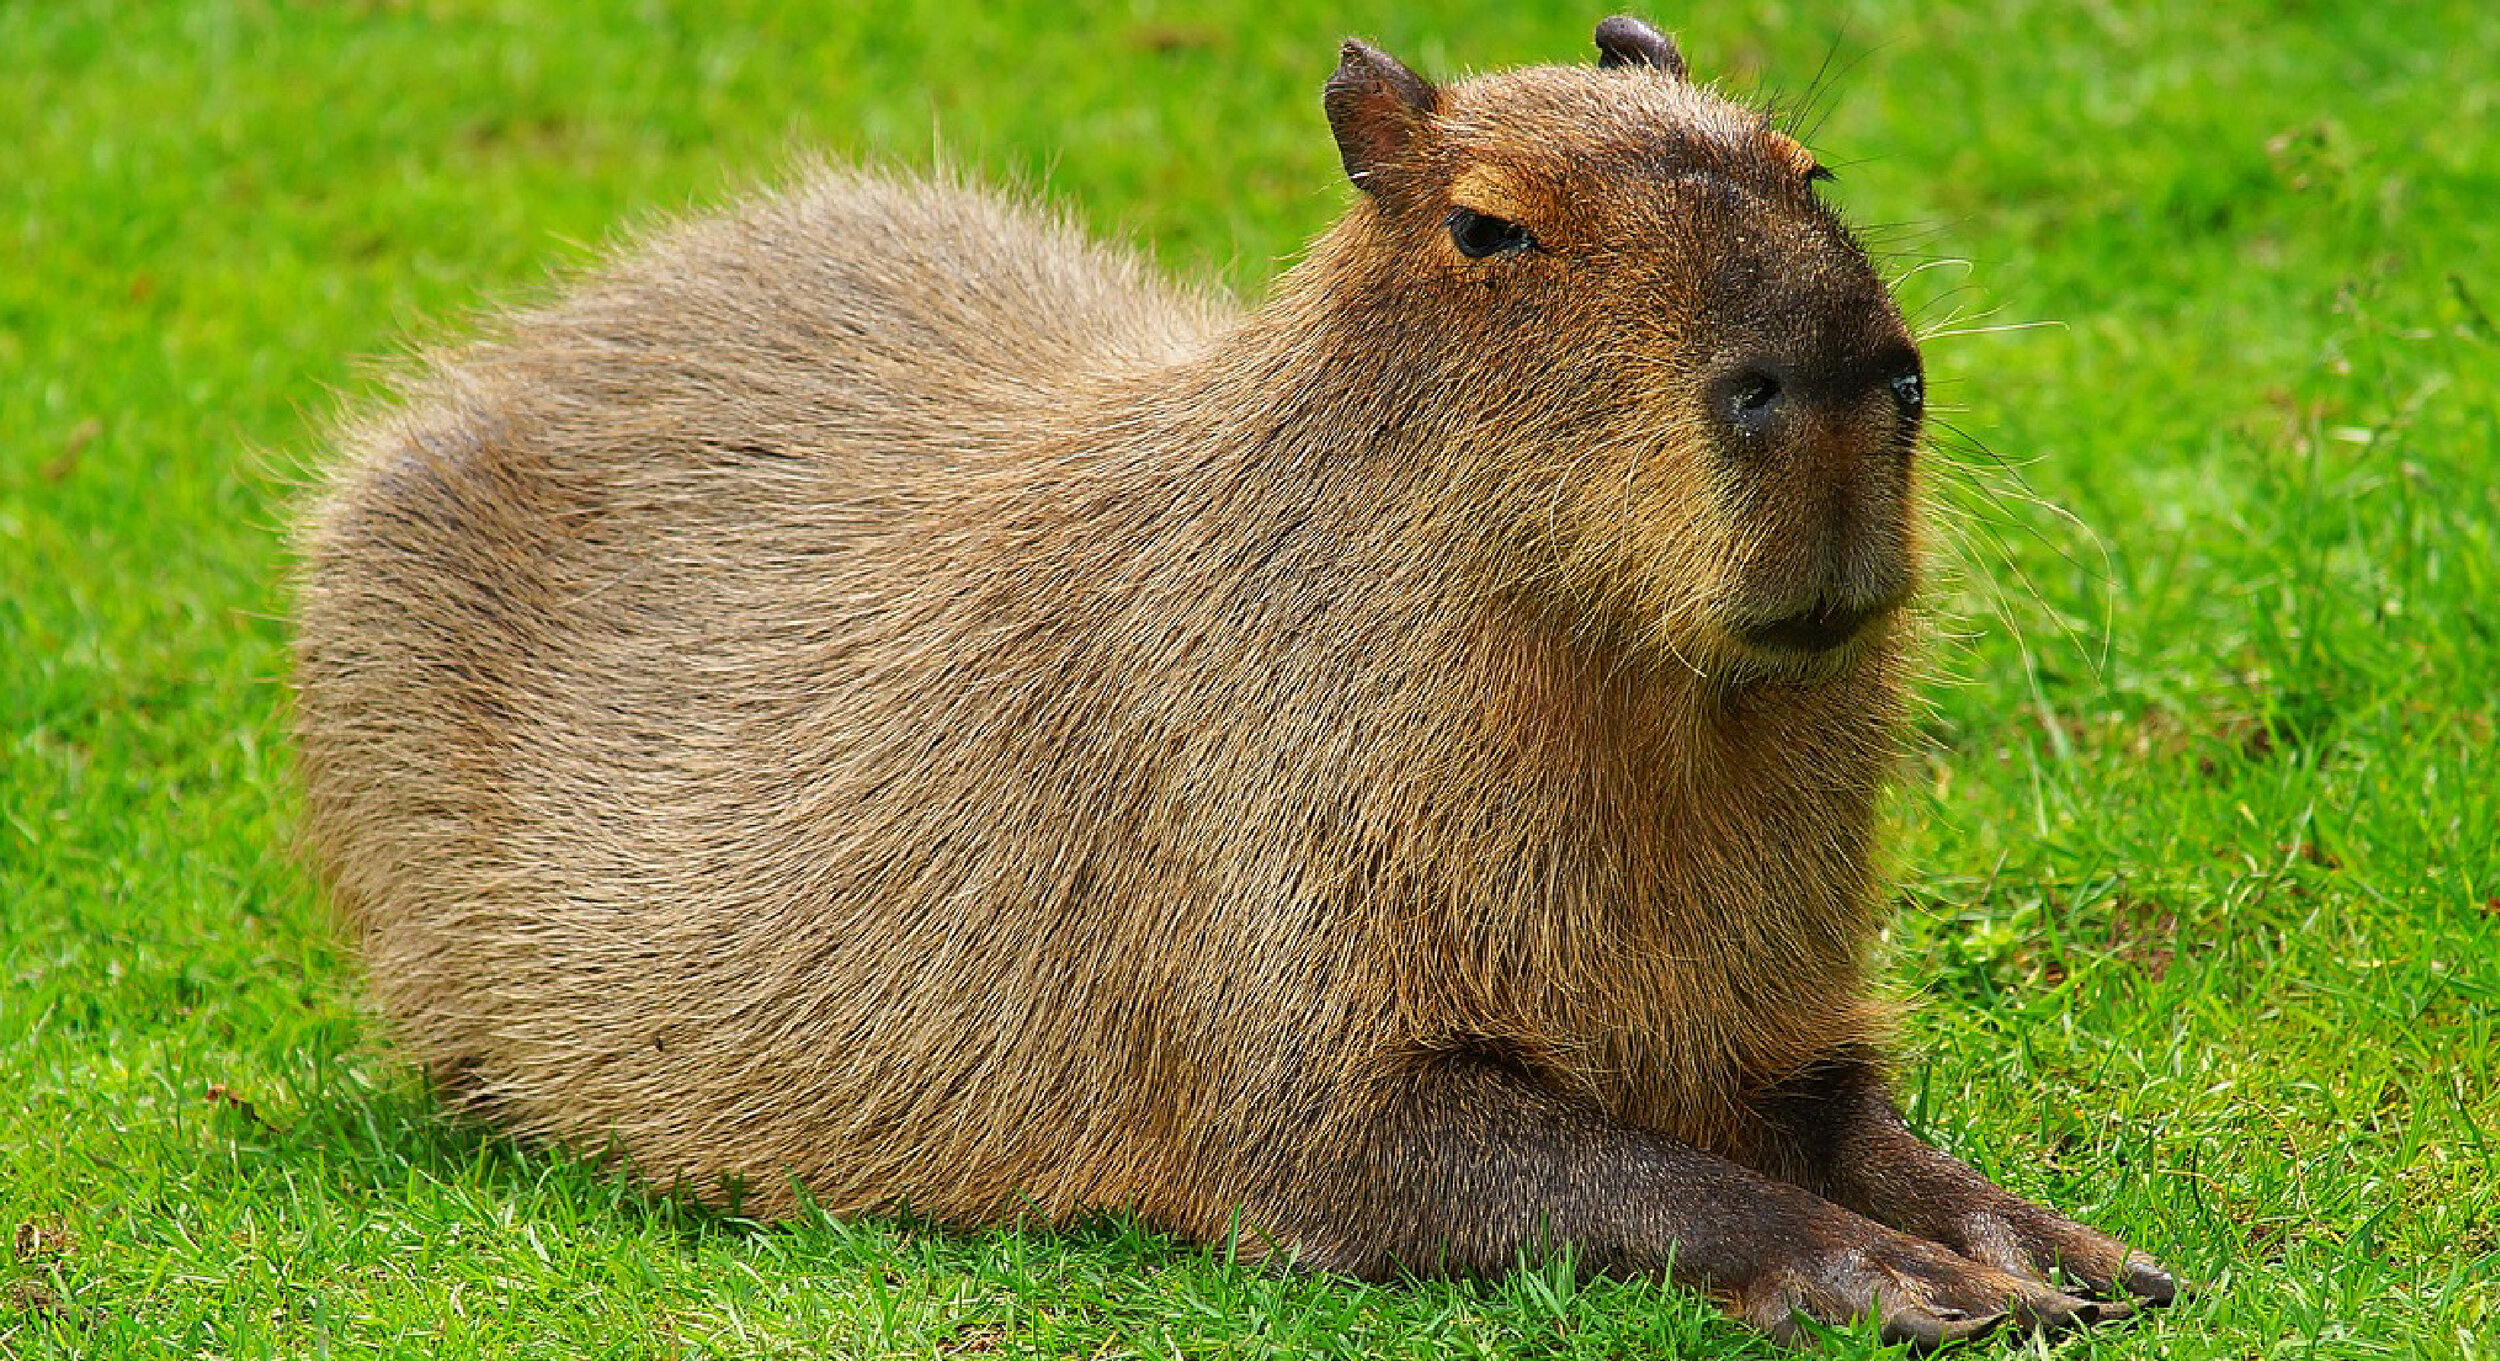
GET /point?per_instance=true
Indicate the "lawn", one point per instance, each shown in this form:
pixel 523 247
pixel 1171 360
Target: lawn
pixel 2199 848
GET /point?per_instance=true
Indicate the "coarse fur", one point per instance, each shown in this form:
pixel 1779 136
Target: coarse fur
pixel 873 693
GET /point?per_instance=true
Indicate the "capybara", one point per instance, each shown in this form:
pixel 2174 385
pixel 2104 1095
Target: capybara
pixel 874 696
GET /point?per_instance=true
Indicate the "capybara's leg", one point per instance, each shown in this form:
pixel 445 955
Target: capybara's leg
pixel 1470 1167
pixel 1842 1137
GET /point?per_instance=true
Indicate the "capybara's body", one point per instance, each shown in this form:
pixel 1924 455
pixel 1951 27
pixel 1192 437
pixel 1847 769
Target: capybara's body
pixel 873 694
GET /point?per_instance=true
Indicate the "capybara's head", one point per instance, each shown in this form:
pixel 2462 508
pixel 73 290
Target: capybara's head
pixel 1651 341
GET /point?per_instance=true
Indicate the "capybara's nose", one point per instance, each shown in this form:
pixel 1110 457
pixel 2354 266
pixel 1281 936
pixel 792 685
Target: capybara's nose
pixel 1752 399
pixel 1761 401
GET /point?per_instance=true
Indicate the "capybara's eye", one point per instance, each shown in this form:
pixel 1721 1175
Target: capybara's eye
pixel 1478 235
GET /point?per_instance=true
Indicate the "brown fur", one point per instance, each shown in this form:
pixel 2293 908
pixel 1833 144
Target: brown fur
pixel 875 692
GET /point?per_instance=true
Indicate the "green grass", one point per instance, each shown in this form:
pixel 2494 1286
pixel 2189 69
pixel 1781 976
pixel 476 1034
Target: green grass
pixel 2200 854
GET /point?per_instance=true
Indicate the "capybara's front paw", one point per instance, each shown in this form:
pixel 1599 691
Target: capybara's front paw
pixel 1919 1292
pixel 2041 1245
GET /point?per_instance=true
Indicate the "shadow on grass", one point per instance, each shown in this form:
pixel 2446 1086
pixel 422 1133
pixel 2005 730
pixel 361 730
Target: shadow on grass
pixel 375 1131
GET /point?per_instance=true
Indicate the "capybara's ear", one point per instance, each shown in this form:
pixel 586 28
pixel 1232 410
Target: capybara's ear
pixel 1375 106
pixel 1626 41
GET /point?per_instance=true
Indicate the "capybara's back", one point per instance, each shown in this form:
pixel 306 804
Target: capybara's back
pixel 657 708
pixel 870 695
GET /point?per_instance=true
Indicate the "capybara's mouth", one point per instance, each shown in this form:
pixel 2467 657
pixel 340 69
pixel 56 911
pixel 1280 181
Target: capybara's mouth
pixel 1824 627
